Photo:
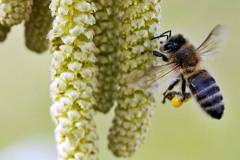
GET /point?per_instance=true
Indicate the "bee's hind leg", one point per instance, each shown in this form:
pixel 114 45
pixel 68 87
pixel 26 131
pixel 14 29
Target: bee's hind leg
pixel 177 98
pixel 185 95
pixel 170 96
pixel 170 87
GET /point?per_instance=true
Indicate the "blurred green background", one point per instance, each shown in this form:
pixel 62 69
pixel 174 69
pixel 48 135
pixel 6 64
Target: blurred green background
pixel 182 134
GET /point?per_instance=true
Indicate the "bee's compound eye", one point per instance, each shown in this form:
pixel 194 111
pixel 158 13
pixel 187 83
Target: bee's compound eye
pixel 172 46
pixel 176 102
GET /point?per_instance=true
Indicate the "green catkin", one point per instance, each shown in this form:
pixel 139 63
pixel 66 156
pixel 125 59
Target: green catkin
pixel 13 12
pixel 73 74
pixel 105 40
pixel 4 30
pixel 38 26
pixel 138 21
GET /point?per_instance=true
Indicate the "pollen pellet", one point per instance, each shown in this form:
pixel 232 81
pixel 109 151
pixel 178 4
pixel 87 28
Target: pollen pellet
pixel 176 102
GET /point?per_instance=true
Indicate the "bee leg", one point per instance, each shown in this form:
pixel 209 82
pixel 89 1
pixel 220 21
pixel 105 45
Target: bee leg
pixel 159 54
pixel 170 87
pixel 183 87
pixel 171 95
pixel 184 95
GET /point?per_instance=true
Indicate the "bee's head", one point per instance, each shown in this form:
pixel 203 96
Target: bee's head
pixel 172 44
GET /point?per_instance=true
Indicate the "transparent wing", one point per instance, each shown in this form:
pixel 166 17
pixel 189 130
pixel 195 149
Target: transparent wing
pixel 150 78
pixel 214 42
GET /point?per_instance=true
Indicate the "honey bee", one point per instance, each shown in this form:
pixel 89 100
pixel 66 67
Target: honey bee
pixel 182 58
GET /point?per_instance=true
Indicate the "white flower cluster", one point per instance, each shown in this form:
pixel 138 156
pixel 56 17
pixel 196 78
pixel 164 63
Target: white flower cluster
pixel 13 12
pixel 138 21
pixel 73 72
pixel 96 45
pixel 105 39
pixel 38 26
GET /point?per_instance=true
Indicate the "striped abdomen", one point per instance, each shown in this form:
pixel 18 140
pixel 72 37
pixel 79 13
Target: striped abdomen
pixel 207 93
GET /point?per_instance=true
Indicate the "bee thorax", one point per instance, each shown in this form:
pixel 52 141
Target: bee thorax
pixel 187 59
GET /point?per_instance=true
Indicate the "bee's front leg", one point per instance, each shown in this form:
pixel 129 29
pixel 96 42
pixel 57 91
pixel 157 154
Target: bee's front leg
pixel 159 54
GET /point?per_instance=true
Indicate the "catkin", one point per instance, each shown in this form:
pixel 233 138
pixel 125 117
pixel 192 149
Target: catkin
pixel 138 21
pixel 106 41
pixel 13 12
pixel 38 26
pixel 73 72
pixel 4 30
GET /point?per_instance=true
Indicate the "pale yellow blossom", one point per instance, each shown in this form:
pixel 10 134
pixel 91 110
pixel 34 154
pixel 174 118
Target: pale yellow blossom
pixel 13 12
pixel 138 21
pixel 38 26
pixel 107 62
pixel 73 73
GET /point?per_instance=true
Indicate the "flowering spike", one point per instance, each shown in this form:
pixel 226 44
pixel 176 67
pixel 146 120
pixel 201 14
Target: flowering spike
pixel 73 73
pixel 4 30
pixel 13 12
pixel 138 22
pixel 38 25
pixel 105 39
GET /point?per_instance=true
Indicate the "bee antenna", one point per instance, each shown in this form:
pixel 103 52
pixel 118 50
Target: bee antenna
pixel 167 34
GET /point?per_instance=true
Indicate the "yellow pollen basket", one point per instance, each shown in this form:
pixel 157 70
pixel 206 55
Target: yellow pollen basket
pixel 176 102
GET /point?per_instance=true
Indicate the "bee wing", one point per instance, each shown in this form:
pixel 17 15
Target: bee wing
pixel 214 42
pixel 150 78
